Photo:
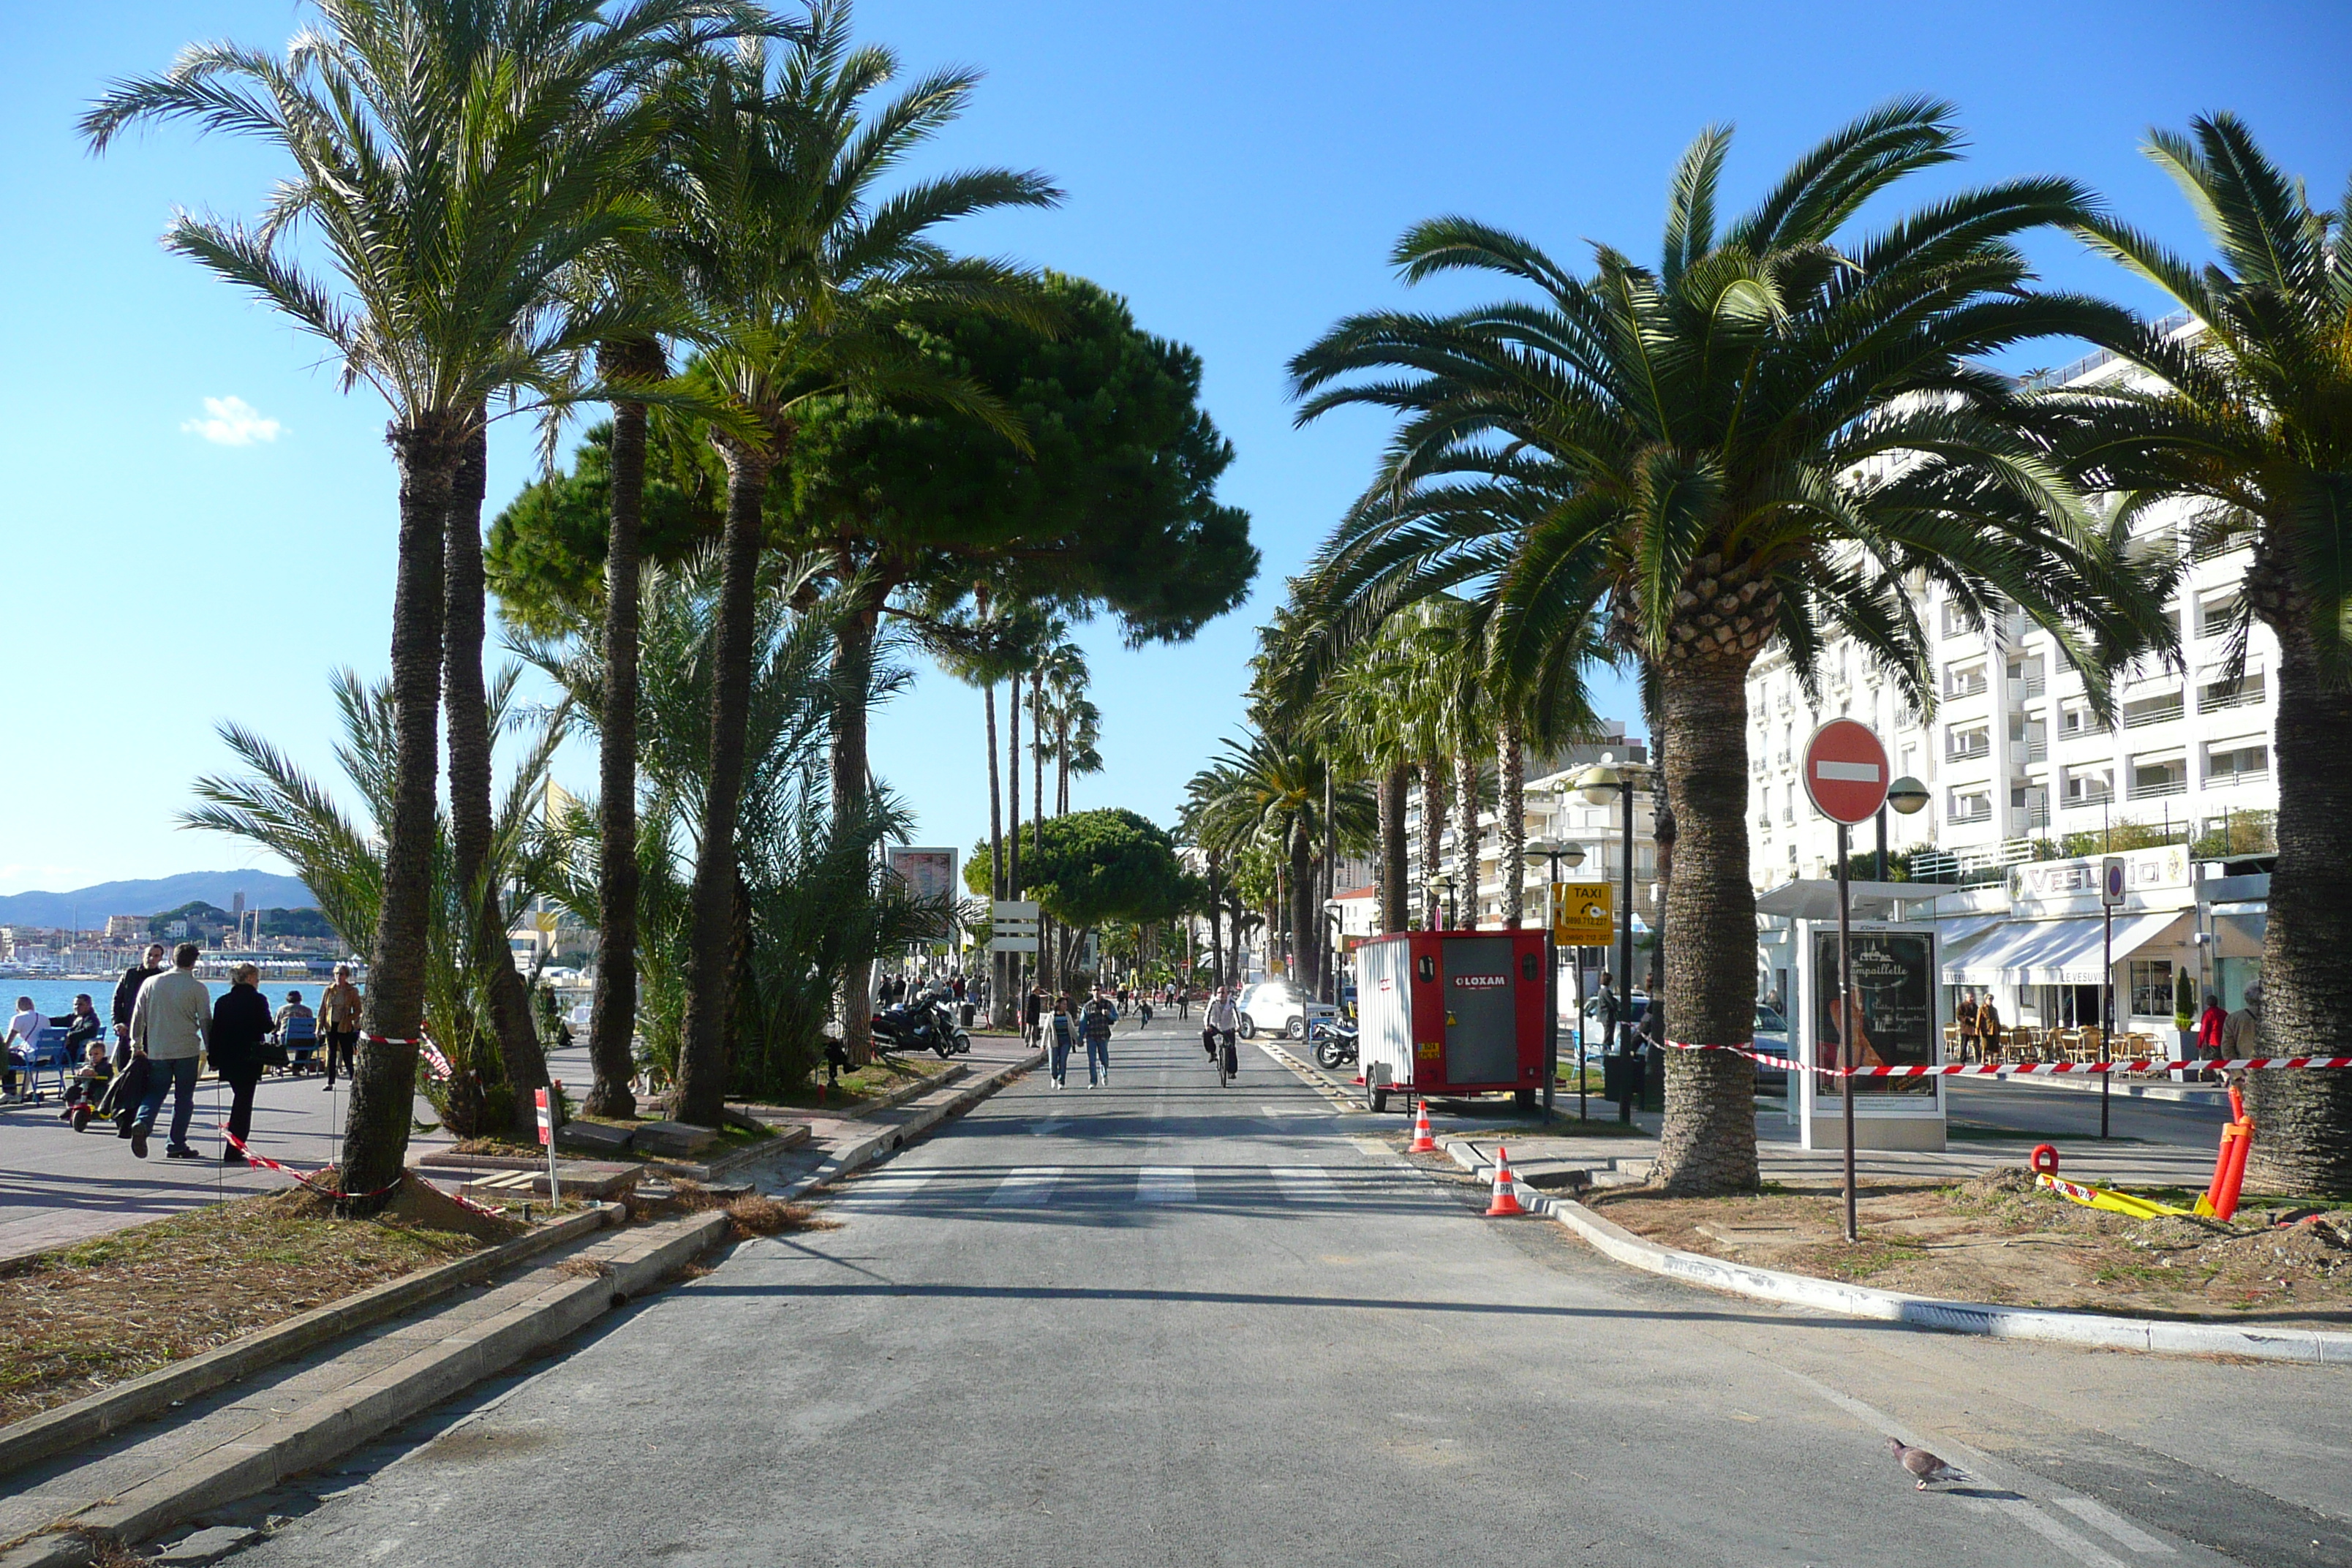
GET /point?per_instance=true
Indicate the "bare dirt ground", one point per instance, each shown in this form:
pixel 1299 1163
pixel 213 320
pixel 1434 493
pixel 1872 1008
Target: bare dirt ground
pixel 1999 1240
pixel 86 1316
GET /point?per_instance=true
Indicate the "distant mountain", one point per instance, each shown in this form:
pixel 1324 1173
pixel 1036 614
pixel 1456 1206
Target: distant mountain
pixel 90 906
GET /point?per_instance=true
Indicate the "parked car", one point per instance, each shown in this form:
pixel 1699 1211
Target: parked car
pixel 1772 1041
pixel 1278 1007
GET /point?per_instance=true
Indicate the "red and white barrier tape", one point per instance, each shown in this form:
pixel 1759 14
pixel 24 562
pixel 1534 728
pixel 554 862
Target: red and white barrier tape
pixel 310 1181
pixel 2023 1070
pixel 389 1040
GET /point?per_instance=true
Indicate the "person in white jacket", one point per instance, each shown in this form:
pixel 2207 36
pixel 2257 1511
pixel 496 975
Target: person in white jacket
pixel 171 1023
pixel 1219 1021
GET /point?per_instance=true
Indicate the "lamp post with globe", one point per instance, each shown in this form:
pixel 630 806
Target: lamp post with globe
pixel 1572 855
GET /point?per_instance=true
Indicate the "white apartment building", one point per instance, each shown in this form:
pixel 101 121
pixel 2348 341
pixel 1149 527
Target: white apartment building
pixel 2015 762
pixel 2012 753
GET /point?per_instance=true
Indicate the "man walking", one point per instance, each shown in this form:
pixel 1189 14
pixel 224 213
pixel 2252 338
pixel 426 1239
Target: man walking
pixel 126 995
pixel 1094 1026
pixel 171 1023
pixel 339 1020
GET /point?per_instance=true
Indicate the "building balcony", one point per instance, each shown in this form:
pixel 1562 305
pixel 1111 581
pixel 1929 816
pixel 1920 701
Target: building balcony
pixel 2156 789
pixel 2152 710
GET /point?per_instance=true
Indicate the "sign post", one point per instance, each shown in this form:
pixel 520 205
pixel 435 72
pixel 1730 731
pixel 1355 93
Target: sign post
pixel 2114 875
pixel 1583 914
pixel 1846 777
pixel 547 1136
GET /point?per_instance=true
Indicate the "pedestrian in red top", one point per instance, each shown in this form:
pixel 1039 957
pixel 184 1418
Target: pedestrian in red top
pixel 2209 1030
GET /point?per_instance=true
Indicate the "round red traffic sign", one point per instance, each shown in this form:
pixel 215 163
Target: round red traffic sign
pixel 1845 772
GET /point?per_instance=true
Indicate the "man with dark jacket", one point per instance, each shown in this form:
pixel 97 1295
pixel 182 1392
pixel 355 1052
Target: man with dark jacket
pixel 126 997
pixel 241 1021
pixel 1093 1027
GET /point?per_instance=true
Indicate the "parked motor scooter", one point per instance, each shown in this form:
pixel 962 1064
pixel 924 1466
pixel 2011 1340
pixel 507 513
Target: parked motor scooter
pixel 924 1024
pixel 1335 1041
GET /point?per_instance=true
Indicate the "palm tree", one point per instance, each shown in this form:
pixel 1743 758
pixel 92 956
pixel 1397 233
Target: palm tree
pixel 279 807
pixel 1776 432
pixel 454 161
pixel 802 272
pixel 2249 421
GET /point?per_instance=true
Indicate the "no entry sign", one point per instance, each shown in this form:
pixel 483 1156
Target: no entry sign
pixel 1845 772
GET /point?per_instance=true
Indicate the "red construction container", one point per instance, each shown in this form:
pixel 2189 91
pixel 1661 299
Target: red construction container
pixel 1451 1013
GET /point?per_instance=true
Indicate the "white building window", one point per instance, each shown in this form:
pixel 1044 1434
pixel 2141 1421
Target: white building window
pixel 2093 785
pixel 2216 613
pixel 2075 717
pixel 1965 680
pixel 1965 743
pixel 2216 692
pixel 2231 762
pixel 2152 708
pixel 1968 806
pixel 2151 987
pixel 2152 777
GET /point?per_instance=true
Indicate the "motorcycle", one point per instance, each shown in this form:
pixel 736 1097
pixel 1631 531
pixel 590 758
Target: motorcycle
pixel 924 1024
pixel 1335 1041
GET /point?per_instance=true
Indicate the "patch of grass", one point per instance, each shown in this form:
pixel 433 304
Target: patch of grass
pixel 870 1082
pixel 103 1312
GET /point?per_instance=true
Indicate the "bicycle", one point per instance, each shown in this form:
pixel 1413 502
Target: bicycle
pixel 1222 1051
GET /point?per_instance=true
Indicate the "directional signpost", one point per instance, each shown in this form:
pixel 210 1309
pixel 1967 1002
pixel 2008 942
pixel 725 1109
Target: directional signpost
pixel 1846 776
pixel 1013 926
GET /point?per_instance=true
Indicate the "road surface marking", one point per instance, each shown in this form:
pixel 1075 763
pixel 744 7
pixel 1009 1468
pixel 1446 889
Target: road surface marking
pixel 2079 1548
pixel 1025 1188
pixel 1293 1111
pixel 1164 1185
pixel 2100 1517
pixel 886 1187
pixel 1306 1183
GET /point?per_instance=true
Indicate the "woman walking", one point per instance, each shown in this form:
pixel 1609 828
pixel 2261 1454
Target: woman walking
pixel 1065 1034
pixel 241 1021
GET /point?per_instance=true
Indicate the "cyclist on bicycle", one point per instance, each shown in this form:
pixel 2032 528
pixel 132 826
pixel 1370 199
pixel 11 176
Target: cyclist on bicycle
pixel 1220 1021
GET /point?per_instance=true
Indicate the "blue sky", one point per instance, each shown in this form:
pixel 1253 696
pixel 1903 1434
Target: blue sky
pixel 170 558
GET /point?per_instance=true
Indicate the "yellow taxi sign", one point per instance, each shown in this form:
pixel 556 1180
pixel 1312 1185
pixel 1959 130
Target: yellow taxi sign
pixel 1584 914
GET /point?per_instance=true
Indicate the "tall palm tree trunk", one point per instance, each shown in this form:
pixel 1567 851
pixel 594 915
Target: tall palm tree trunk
pixel 1466 837
pixel 995 852
pixel 1216 919
pixel 612 1013
pixel 1396 871
pixel 383 1088
pixel 464 617
pixel 1307 950
pixel 2305 1144
pixel 1511 818
pixel 1433 837
pixel 1012 797
pixel 853 659
pixel 1708 1144
pixel 710 968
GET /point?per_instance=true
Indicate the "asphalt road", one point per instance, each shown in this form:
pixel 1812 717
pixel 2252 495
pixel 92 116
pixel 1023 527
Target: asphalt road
pixel 1160 1323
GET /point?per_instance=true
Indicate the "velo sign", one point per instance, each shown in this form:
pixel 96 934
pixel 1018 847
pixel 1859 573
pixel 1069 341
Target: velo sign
pixel 1845 772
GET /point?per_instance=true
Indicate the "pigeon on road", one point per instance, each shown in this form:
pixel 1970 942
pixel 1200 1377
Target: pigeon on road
pixel 1922 1464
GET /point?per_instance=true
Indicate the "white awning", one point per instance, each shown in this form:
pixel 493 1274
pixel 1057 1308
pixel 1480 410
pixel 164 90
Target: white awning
pixel 2054 952
pixel 1957 938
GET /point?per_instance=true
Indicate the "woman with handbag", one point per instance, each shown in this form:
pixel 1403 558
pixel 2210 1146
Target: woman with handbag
pixel 241 1024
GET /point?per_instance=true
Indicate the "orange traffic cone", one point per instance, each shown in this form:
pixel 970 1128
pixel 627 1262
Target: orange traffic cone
pixel 1507 1197
pixel 1422 1142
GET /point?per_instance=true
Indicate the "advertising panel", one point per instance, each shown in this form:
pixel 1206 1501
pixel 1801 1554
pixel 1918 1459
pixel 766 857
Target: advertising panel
pixel 1894 1000
pixel 929 873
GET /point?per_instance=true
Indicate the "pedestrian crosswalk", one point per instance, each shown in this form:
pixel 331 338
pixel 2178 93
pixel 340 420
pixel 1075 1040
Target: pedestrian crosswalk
pixel 1044 1187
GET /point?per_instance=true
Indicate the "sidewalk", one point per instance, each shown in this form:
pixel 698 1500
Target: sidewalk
pixel 198 1465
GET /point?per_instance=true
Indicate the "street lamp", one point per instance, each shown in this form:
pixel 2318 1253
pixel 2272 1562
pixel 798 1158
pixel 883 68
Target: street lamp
pixel 1600 784
pixel 1555 852
pixel 1906 794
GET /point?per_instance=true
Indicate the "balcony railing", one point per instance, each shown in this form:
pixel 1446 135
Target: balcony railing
pixel 2156 789
pixel 2218 695
pixel 2139 715
pixel 1968 751
pixel 2033 686
pixel 1962 816
pixel 1966 865
pixel 2034 750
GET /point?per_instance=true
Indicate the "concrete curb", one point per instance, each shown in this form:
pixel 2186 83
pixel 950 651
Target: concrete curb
pixel 333 1426
pixel 2090 1330
pixel 53 1432
pixel 866 1150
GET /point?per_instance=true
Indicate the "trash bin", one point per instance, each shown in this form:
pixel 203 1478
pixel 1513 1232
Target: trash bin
pixel 1621 1076
pixel 968 1011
